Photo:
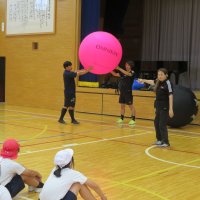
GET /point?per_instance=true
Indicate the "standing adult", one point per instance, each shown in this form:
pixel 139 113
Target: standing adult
pixel 163 105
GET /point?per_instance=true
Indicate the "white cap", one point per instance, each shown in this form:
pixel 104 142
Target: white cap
pixel 63 157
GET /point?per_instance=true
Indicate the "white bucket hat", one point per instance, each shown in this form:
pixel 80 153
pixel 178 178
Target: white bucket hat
pixel 63 157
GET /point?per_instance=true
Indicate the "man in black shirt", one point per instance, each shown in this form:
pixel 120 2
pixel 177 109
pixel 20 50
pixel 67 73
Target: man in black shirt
pixel 70 90
pixel 125 87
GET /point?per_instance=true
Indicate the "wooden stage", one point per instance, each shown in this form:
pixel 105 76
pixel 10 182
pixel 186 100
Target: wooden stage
pixel 121 159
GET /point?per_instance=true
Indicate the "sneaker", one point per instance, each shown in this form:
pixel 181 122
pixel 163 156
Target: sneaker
pixel 75 122
pixel 120 120
pixel 132 122
pixel 158 142
pixel 164 145
pixel 34 189
pixel 61 121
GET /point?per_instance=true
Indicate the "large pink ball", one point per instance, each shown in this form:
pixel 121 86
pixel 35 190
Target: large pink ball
pixel 102 51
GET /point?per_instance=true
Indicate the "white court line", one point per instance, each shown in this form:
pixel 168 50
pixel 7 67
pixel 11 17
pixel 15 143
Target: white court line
pixel 82 143
pixel 166 161
pixel 46 115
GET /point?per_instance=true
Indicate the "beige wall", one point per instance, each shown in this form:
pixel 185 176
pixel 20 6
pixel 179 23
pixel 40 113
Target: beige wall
pixel 34 77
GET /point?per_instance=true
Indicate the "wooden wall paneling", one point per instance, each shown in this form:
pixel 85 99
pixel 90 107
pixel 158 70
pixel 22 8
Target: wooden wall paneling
pixel 34 77
pixel 89 103
pixel 111 105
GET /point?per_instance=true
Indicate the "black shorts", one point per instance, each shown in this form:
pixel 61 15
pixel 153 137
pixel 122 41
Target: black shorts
pixel 126 98
pixel 15 185
pixel 69 196
pixel 70 100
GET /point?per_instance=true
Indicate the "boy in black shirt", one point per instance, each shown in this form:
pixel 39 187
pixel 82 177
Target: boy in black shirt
pixel 70 90
pixel 125 87
pixel 163 105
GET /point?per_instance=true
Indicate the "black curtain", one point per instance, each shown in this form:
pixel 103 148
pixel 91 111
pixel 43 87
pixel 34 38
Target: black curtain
pixel 171 33
pixel 114 15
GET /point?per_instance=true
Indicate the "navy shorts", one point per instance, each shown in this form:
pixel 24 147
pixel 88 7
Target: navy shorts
pixel 69 196
pixel 15 185
pixel 70 100
pixel 126 98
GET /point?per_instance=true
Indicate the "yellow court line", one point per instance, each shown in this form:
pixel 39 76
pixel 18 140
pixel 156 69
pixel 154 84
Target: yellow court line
pixel 39 134
pixel 152 193
pixel 160 171
pixel 145 190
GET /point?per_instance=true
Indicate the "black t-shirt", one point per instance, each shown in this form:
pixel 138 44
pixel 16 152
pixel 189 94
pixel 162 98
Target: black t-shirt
pixel 126 82
pixel 163 91
pixel 69 82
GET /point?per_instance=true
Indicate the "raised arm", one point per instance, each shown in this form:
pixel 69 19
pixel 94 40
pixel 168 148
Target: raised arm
pixel 115 74
pixel 150 82
pixel 83 71
pixel 124 71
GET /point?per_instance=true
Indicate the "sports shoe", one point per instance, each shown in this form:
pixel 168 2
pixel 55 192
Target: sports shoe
pixel 132 122
pixel 158 142
pixel 120 120
pixel 61 121
pixel 34 189
pixel 164 145
pixel 75 122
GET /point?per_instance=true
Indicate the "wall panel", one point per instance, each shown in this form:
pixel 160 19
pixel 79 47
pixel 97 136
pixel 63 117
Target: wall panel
pixel 105 101
pixel 34 77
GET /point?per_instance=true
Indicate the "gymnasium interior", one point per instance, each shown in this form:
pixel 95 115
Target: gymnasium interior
pixel 120 158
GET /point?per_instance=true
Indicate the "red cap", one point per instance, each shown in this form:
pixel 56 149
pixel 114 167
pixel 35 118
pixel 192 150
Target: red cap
pixel 10 149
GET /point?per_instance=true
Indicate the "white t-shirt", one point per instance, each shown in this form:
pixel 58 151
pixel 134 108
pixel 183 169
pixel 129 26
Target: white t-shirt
pixel 55 188
pixel 4 194
pixel 8 169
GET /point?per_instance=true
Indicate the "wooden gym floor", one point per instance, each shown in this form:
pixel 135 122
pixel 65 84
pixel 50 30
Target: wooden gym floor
pixel 120 159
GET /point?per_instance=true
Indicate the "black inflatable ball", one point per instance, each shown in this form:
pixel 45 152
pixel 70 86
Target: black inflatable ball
pixel 185 107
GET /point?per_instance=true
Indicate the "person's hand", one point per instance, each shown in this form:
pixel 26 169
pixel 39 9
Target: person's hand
pixel 38 176
pixel 117 68
pixel 140 80
pixel 89 68
pixel 171 113
pixel 39 179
